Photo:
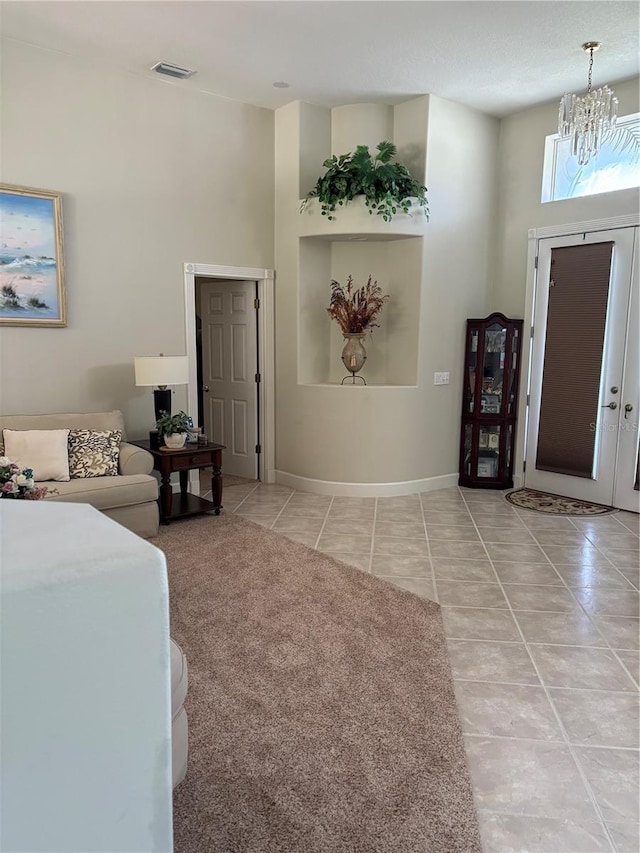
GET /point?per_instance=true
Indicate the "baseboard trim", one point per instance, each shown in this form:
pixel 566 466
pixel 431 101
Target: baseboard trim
pixel 365 490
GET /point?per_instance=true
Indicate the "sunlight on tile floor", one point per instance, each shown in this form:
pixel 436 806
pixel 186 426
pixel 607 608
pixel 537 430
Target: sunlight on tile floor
pixel 541 616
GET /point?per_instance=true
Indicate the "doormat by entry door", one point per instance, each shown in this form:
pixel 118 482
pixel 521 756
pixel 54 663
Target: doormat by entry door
pixel 555 504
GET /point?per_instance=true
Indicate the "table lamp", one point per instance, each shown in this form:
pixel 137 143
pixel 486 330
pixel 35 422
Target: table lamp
pixel 162 370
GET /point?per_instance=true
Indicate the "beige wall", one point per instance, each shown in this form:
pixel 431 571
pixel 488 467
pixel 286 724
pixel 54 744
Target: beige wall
pixel 153 175
pixel 522 138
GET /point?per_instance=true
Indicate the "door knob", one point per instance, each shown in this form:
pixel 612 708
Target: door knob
pixel 628 408
pixel 611 405
pixel 205 388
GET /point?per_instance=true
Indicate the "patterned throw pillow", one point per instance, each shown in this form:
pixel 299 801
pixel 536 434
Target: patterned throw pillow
pixel 93 452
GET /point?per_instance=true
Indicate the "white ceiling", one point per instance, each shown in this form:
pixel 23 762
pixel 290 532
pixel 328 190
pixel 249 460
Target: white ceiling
pixel 498 56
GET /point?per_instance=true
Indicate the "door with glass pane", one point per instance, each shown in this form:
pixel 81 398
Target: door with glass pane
pixel 583 395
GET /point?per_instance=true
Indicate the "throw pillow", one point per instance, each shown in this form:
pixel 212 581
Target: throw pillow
pixel 94 452
pixel 42 450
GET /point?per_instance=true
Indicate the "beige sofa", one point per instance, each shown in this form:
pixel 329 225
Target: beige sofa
pixel 129 498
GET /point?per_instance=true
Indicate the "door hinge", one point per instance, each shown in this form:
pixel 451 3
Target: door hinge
pixel 256 304
pixel 258 377
pixel 536 262
pixel 524 467
pixel 528 399
pixel 532 329
pixel 258 448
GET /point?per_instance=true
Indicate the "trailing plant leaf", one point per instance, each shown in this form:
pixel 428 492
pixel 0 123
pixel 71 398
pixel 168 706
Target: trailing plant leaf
pixel 353 308
pixel 387 186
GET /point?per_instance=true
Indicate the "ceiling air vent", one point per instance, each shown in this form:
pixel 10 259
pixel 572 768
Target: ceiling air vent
pixel 172 70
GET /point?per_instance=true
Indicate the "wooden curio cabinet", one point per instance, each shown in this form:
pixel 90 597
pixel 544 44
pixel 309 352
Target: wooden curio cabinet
pixel 489 402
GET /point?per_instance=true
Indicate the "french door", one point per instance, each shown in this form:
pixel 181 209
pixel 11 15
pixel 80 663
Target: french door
pixel 582 438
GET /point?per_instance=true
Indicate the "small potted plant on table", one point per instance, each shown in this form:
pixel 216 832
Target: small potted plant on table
pixel 173 428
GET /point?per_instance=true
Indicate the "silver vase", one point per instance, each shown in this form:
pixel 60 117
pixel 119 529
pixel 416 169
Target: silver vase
pixel 354 355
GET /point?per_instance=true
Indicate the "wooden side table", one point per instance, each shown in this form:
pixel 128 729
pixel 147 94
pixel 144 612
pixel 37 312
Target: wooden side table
pixel 187 458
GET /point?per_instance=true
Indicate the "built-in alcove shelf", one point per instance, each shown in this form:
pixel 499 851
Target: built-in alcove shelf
pixel 353 222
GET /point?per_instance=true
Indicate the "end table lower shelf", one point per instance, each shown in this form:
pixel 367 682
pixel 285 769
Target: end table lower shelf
pixel 188 458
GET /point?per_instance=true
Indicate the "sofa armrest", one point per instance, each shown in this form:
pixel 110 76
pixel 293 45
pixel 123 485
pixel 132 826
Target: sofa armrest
pixel 134 460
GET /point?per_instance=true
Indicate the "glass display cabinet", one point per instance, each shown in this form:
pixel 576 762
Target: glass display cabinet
pixel 489 402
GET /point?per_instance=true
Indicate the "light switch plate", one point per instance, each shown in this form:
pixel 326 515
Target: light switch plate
pixel 441 378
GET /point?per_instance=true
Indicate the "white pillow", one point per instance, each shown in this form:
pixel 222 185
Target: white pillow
pixel 43 450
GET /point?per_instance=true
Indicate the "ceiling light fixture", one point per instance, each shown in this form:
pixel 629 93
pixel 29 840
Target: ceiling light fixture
pixel 172 70
pixel 588 118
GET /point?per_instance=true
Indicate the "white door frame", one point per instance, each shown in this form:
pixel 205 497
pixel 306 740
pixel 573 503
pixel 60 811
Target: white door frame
pixel 266 349
pixel 534 235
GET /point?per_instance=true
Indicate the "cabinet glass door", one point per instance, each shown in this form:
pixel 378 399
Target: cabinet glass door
pixel 488 451
pixel 495 339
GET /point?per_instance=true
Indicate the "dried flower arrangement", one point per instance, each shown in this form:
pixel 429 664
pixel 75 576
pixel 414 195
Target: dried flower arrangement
pixel 356 308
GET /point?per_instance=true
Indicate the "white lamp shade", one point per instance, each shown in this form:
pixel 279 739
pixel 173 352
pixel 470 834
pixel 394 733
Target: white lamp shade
pixel 162 370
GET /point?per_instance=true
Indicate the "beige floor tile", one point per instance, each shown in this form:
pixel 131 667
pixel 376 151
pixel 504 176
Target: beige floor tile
pixel 404 516
pixel 632 662
pixel 562 538
pixel 456 533
pixel 598 718
pixel 632 575
pixel 505 522
pixel 539 521
pixel 609 602
pixel 399 502
pixel 626 836
pixel 568 629
pixel 571 555
pixel 588 669
pixel 422 587
pixel 472 623
pixel 481 660
pixel 613 776
pixel 304 499
pixel 622 632
pixel 363 527
pixel 533 597
pixel 398 566
pixel 308 539
pixel 527 573
pixel 353 513
pixel 401 547
pixel 463 570
pixel 623 559
pixel 304 511
pixel 485 514
pixel 506 710
pixel 506 535
pixel 457 517
pixel 404 531
pixel 358 561
pixel 630 520
pixel 257 518
pixel 522 553
pixel 604 541
pixel 593 576
pixel 350 542
pixel 470 594
pixel 286 524
pixel 456 550
pixel 527 777
pixel 516 833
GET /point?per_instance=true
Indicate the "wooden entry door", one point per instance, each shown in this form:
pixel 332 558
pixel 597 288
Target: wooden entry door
pixel 581 432
pixel 229 370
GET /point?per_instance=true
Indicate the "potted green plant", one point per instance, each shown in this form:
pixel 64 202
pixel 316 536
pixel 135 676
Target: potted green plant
pixel 388 187
pixel 355 310
pixel 173 428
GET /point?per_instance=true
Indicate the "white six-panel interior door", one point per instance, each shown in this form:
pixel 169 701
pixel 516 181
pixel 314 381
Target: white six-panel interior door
pixel 229 367
pixel 611 475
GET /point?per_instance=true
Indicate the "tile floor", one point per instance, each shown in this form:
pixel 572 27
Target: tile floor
pixel 541 616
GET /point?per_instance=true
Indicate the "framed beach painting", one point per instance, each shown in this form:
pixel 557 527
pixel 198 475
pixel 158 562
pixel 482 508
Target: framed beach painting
pixel 31 261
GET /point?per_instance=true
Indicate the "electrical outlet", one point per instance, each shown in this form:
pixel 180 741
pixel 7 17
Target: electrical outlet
pixel 441 378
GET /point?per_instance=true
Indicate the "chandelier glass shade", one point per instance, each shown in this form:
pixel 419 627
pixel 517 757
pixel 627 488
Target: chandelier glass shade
pixel 587 119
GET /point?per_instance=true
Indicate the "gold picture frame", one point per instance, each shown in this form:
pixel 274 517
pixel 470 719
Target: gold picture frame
pixel 31 258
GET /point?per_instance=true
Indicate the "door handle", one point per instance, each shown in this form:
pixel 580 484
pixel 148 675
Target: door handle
pixel 205 388
pixel 628 408
pixel 611 405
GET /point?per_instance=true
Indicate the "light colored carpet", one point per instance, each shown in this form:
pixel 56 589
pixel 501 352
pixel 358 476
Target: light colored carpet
pixel 321 709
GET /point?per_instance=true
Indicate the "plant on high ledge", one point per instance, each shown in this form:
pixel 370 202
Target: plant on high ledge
pixel 356 308
pixel 387 187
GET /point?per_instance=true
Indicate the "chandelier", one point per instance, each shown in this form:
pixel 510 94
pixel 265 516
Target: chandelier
pixel 588 118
